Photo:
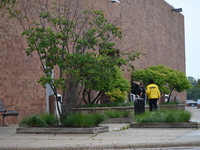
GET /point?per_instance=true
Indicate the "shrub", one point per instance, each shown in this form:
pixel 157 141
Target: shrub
pixel 164 115
pixel 116 95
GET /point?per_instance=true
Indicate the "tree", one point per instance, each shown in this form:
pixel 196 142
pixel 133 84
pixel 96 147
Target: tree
pixel 192 80
pixel 78 42
pixel 166 78
pixel 193 93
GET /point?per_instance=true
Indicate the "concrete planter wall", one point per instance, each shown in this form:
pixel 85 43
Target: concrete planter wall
pixel 165 125
pixel 61 130
pixel 126 108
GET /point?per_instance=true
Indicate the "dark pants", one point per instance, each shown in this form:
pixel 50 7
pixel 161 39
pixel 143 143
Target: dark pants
pixel 153 104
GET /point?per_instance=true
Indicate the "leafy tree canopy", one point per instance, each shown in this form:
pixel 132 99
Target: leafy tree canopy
pixel 194 92
pixel 166 78
pixel 78 42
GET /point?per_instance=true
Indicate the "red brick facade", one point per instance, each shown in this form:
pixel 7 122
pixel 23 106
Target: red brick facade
pixel 148 26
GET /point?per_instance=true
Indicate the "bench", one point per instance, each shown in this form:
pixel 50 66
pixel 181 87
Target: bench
pixel 11 110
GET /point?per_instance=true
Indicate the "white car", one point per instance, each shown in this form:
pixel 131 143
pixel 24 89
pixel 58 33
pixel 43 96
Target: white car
pixel 191 103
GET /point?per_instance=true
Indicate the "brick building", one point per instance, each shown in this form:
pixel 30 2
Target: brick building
pixel 149 26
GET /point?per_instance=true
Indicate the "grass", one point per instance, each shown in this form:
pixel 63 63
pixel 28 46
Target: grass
pixel 164 116
pixel 83 119
pixel 116 114
pixel 33 121
pixel 170 103
pixel 73 120
pixel 41 120
pixel 90 120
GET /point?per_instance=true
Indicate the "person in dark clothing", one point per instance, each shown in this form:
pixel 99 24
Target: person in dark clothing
pixel 135 89
pixel 142 91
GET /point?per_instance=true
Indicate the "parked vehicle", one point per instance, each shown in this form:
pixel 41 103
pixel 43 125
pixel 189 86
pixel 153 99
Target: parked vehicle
pixel 198 101
pixel 191 103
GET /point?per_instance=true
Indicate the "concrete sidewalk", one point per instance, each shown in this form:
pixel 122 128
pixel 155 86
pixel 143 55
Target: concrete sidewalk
pixel 132 138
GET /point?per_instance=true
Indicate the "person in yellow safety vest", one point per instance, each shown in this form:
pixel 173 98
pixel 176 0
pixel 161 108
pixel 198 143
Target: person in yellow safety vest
pixel 153 94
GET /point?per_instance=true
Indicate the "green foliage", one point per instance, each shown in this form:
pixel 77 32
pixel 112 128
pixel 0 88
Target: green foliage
pixel 80 62
pixel 166 78
pixel 164 115
pixel 89 120
pixel 120 87
pixel 193 93
pixel 113 114
pixel 116 95
pixel 49 119
pixel 101 74
pixel 33 121
pixel 41 120
pixel 170 103
pixel 83 119
pixel 79 43
pixel 116 114
pixel 192 80
pixel 73 119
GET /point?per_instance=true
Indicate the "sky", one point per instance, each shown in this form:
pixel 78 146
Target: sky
pixel 191 12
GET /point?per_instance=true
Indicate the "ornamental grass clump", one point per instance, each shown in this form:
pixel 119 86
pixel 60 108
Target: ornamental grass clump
pixel 83 119
pixel 164 116
pixel 41 120
pixel 116 114
pixel 33 121
pixel 49 119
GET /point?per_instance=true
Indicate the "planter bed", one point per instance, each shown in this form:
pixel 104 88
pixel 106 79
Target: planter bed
pixel 124 108
pixel 61 130
pixel 119 120
pixel 165 125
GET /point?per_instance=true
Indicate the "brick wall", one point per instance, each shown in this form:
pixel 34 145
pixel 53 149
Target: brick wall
pixel 19 72
pixel 148 26
pixel 151 27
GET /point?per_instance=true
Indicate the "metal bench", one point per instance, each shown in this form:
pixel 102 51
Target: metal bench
pixel 11 110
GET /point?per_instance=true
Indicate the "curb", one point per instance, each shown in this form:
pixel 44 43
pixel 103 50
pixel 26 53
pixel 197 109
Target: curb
pixel 63 130
pixel 114 146
pixel 165 125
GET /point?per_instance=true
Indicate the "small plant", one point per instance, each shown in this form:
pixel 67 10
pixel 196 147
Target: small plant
pixel 83 119
pixel 49 119
pixel 33 121
pixel 125 127
pixel 116 114
pixel 41 120
pixel 164 115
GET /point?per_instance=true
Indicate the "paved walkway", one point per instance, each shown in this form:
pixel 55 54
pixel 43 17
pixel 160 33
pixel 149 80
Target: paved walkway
pixel 138 138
